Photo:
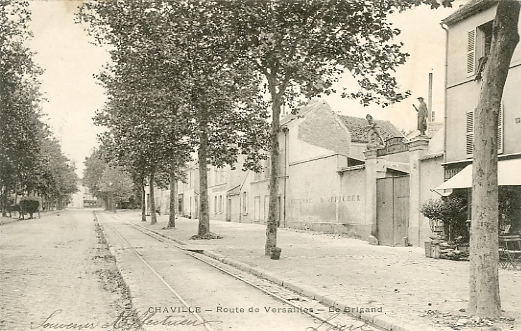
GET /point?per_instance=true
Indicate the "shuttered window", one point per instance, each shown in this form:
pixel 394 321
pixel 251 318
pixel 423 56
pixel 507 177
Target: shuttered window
pixel 479 41
pixel 471 52
pixel 500 130
pixel 469 132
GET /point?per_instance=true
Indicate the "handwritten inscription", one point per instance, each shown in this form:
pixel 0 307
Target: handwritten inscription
pixel 328 325
pixel 341 198
pixel 125 321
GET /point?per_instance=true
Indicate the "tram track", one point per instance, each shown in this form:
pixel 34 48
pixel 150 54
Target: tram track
pixel 323 317
pixel 195 314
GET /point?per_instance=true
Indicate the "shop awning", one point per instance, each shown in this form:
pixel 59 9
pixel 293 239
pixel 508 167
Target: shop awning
pixel 509 173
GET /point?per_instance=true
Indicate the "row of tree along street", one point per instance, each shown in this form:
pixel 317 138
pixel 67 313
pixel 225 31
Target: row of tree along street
pixel 200 76
pixel 31 160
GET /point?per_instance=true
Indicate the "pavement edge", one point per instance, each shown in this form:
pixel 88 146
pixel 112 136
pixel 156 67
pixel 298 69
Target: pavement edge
pixel 380 320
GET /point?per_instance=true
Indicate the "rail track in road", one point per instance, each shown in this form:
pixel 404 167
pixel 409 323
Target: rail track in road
pixel 231 308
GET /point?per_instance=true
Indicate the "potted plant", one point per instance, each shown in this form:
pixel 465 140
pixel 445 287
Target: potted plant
pixel 447 220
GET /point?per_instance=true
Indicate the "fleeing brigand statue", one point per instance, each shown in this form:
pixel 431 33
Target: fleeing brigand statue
pixel 372 131
pixel 422 116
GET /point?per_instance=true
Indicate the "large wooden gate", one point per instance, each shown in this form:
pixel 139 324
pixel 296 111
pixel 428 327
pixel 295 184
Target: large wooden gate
pixel 392 210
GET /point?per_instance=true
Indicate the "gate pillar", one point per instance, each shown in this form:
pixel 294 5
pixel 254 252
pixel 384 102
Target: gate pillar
pixel 375 167
pixel 417 148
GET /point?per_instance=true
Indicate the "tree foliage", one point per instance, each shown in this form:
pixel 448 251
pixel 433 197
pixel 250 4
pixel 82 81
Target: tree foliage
pixel 145 130
pixel 94 168
pixel 56 175
pixel 109 182
pixel 31 161
pixel 302 48
pixel 19 98
pixel 172 88
pixel 115 186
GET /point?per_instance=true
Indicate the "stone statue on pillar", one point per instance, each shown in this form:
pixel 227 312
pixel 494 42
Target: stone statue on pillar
pixel 422 116
pixel 372 131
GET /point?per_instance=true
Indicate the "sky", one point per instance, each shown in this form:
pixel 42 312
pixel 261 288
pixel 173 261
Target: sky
pixel 70 61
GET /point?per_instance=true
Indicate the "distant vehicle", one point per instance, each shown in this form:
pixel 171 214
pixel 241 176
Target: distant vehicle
pixel 10 208
pixel 29 205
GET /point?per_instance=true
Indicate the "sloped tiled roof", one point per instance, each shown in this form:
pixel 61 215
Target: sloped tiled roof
pixel 312 105
pixel 357 127
pixel 321 128
pixel 470 8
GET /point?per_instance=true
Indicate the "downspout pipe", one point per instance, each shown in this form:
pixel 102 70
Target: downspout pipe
pixel 446 28
pixel 429 107
pixel 285 130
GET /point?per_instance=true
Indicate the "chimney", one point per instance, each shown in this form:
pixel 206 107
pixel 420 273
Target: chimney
pixel 429 105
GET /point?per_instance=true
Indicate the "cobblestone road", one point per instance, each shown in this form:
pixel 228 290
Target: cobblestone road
pixel 56 271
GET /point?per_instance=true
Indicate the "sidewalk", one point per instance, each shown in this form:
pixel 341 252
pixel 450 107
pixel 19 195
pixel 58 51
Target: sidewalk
pixel 413 291
pixel 14 217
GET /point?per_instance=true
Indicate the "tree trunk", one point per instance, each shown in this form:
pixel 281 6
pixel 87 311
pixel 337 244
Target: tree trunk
pixel 114 203
pixel 143 202
pixel 202 153
pixel 4 203
pixel 173 199
pixel 271 227
pixel 152 200
pixel 484 283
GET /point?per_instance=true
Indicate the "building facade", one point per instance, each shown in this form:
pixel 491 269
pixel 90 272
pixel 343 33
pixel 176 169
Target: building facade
pixel 331 180
pixel 469 39
pixel 83 198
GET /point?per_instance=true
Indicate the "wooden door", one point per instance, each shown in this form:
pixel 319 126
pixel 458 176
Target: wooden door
pixel 392 210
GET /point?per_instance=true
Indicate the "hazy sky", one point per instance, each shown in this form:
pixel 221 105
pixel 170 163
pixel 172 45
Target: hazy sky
pixel 70 62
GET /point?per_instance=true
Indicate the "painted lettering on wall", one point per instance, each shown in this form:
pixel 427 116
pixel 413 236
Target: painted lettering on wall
pixel 342 198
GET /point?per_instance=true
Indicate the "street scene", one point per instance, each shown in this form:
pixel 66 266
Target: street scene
pixel 260 165
pixel 94 268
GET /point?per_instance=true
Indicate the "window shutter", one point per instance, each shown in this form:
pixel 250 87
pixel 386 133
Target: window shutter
pixel 469 132
pixel 500 129
pixel 471 51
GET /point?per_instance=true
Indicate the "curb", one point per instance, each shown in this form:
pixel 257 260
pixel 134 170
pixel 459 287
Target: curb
pixel 377 319
pixel 43 213
pixel 380 320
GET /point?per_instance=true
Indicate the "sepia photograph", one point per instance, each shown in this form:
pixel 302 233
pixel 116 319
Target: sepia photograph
pixel 260 165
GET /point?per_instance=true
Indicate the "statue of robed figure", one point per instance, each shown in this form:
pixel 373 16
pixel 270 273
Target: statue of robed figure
pixel 422 116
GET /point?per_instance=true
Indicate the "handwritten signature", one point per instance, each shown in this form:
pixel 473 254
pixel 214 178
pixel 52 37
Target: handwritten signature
pixel 326 325
pixel 125 321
